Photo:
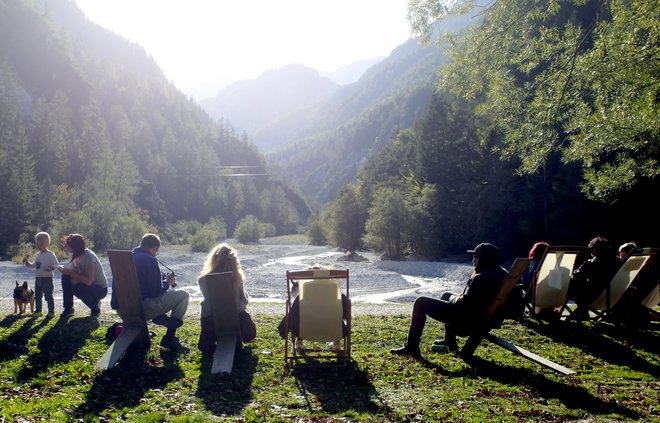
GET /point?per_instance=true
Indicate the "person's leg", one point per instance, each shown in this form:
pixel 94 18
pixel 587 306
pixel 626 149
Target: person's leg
pixel 424 306
pixel 155 309
pixel 90 296
pixel 439 310
pixel 207 339
pixel 67 295
pixel 38 294
pixel 47 287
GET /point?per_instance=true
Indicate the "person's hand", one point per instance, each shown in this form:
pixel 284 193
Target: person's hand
pixel 61 269
pixel 171 279
pixel 26 258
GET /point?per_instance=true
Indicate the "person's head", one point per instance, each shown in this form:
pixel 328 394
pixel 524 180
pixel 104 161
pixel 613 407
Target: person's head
pixel 485 255
pixel 42 240
pixel 151 243
pixel 600 247
pixel 76 244
pixel 222 258
pixel 537 250
pixel 626 248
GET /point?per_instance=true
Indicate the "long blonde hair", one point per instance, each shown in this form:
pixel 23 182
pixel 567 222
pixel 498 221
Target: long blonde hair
pixel 223 258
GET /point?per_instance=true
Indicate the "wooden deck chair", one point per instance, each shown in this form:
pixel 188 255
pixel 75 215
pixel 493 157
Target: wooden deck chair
pixel 320 315
pixel 550 286
pixel 493 318
pixel 221 298
pixel 634 263
pixel 127 288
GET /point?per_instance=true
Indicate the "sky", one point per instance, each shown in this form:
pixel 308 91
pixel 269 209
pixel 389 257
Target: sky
pixel 198 41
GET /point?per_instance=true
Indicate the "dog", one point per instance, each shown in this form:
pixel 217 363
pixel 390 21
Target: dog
pixel 23 296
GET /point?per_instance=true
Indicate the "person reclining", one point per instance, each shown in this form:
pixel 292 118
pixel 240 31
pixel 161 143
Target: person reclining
pixel 457 311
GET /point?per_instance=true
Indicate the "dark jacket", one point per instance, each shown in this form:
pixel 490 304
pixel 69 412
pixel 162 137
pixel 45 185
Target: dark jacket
pixel 479 293
pixel 149 275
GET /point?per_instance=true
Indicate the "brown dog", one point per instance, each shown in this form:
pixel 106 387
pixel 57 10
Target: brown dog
pixel 23 296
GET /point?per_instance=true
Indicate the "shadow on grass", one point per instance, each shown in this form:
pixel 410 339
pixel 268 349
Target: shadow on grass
pixel 573 396
pixel 337 388
pixel 15 344
pixel 124 385
pixel 228 394
pixel 59 344
pixel 602 340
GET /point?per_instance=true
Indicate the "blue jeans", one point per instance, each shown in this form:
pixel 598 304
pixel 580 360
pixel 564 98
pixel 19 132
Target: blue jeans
pixel 43 287
pixel 89 295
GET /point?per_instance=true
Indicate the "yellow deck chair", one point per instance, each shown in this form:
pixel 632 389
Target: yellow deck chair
pixel 636 261
pixel 321 315
pixel 550 286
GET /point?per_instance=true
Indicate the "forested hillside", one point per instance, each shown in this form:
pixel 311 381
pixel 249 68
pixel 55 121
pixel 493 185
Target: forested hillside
pixel 517 146
pixel 326 146
pixel 95 140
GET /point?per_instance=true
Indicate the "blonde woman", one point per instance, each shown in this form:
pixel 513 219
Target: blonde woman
pixel 223 258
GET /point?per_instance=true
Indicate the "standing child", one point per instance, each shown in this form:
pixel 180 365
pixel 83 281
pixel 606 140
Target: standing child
pixel 44 263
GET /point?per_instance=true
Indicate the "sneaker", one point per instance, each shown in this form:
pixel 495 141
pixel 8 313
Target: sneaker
pixel 407 350
pixel 173 343
pixel 442 346
pixel 68 311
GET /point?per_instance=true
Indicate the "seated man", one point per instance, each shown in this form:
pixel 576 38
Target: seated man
pixel 593 276
pixel 457 310
pixel 157 296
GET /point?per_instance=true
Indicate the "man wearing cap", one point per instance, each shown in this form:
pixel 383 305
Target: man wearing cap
pixel 457 310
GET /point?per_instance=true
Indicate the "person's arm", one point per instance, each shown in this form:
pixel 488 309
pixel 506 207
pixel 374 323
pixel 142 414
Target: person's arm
pixel 26 261
pixel 86 278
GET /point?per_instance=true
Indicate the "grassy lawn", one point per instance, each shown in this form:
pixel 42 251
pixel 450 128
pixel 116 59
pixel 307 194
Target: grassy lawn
pixel 47 374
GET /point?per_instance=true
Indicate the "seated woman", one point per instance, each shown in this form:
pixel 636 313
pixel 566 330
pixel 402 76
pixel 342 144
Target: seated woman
pixel 223 258
pixel 83 277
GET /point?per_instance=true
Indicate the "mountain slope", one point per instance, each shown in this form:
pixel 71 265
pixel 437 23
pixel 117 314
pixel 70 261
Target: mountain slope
pixel 249 105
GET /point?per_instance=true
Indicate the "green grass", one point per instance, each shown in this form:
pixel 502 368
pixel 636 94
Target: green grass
pixel 47 374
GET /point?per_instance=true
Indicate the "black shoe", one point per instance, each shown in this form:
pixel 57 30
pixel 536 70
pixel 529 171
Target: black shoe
pixel 68 311
pixel 440 345
pixel 96 311
pixel 172 343
pixel 407 350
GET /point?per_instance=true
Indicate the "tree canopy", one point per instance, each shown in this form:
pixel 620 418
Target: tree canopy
pixel 577 77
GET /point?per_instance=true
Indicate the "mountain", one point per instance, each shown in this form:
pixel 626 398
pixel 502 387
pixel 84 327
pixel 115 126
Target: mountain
pixel 352 72
pixel 250 105
pixel 208 89
pixel 94 139
pixel 318 134
pixel 324 147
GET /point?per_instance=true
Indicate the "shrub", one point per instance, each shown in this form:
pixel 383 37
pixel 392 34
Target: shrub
pixel 249 229
pixel 203 240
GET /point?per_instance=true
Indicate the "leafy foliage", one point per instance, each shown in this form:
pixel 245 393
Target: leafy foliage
pixel 577 77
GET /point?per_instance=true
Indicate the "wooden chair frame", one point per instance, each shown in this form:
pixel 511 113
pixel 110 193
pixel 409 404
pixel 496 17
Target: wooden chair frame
pixel 127 289
pixel 222 300
pixel 293 355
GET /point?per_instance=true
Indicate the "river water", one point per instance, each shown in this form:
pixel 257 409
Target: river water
pixel 265 265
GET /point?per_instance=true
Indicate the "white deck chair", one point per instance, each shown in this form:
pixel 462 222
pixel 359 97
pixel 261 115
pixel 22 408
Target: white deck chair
pixel 636 261
pixel 550 286
pixel 321 314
